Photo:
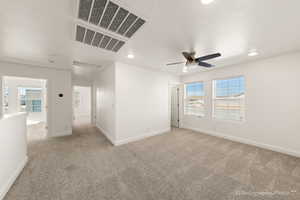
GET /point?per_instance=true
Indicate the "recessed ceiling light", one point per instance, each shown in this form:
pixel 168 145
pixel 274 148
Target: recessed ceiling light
pixel 207 1
pixel 131 56
pixel 252 53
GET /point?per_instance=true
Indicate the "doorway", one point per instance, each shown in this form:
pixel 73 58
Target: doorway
pixel 28 95
pixel 82 109
pixel 175 107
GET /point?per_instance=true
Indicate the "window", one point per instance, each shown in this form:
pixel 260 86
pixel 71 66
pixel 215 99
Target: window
pixel 194 99
pixel 30 99
pixel 229 99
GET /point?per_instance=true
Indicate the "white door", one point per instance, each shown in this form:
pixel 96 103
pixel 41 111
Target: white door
pixel 82 104
pixel 175 107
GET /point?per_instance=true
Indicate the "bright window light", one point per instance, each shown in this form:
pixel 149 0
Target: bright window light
pixel 194 99
pixel 131 56
pixel 229 99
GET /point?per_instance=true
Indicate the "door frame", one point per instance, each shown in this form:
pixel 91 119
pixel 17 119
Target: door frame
pixel 91 102
pixel 47 99
pixel 178 89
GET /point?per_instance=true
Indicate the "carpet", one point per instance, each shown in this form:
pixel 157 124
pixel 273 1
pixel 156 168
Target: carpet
pixel 181 164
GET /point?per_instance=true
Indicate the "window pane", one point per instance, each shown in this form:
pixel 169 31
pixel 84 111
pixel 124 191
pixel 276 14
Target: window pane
pixel 30 99
pixel 194 99
pixel 194 89
pixel 230 87
pixel 229 99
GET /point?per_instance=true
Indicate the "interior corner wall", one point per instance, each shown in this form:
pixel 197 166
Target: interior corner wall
pixel 59 82
pixel 104 86
pixel 272 104
pixel 142 102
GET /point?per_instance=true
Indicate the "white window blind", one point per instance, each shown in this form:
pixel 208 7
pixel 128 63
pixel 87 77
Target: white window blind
pixel 229 99
pixel 194 99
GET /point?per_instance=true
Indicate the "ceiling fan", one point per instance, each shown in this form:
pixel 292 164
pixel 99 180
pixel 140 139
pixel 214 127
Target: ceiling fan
pixel 191 60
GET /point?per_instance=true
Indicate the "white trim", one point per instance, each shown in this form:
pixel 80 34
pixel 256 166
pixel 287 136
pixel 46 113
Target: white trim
pixel 140 137
pixel 13 178
pixel 248 141
pixel 106 133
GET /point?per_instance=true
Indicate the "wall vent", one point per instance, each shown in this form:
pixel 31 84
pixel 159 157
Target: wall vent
pixel 110 16
pixel 96 39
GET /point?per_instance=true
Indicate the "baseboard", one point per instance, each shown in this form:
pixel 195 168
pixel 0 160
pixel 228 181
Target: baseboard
pixel 247 141
pixel 13 178
pixel 140 137
pixel 106 134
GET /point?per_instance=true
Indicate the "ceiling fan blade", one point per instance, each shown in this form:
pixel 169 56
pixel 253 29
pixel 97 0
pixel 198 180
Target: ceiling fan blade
pixel 208 57
pixel 176 63
pixel 204 64
pixel 188 56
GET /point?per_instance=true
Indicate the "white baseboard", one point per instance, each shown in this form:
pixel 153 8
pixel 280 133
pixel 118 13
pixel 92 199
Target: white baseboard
pixel 247 141
pixel 140 137
pixel 106 133
pixel 13 178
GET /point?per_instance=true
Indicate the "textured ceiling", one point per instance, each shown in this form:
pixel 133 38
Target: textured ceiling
pixel 34 30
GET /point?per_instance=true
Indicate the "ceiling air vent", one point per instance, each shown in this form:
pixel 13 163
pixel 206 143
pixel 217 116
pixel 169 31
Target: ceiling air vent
pixel 135 27
pixel 105 41
pixel 110 16
pixel 98 8
pixel 111 44
pixel 80 31
pixel 118 46
pixel 96 39
pixel 121 15
pixel 89 36
pixel 85 9
pixel 127 23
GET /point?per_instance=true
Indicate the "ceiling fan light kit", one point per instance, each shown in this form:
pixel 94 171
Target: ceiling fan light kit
pixel 191 60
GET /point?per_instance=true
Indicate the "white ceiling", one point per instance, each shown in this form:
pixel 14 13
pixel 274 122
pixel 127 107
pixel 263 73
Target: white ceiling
pixel 33 30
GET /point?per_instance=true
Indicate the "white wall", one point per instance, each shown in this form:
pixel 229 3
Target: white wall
pixel 13 100
pixel 272 104
pixel 13 150
pixel 133 102
pixel 59 81
pixel 105 105
pixel 142 102
pixel 1 97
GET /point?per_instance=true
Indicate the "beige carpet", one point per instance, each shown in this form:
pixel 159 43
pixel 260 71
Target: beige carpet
pixel 36 132
pixel 178 165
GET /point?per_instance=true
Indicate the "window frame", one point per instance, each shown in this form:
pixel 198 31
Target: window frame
pixel 30 100
pixel 213 98
pixel 184 99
